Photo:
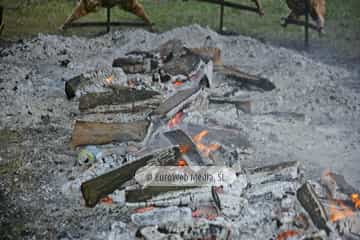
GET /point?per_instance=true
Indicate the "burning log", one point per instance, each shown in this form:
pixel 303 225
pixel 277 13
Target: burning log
pixel 121 99
pixel 98 79
pixel 311 203
pixel 188 147
pixel 99 187
pixel 176 103
pixel 286 171
pixel 245 79
pixel 151 233
pixel 97 133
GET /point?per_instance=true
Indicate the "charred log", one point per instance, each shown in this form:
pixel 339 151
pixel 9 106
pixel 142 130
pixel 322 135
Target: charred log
pixel 94 189
pixel 97 133
pixel 245 79
pixel 311 203
pixel 126 97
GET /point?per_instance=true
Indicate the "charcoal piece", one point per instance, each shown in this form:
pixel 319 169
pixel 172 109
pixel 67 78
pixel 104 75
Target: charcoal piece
pixel 94 189
pixel 97 133
pixel 311 203
pixel 121 96
pixel 72 85
pixel 180 138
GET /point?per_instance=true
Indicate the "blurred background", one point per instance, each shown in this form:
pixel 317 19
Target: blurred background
pixel 26 18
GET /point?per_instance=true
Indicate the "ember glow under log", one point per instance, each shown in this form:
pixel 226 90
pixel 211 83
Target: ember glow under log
pixel 97 133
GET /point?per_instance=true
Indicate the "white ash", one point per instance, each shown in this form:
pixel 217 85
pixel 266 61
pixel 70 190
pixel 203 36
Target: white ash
pixel 32 88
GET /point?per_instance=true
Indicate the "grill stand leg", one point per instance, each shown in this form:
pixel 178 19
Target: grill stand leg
pixel 307 10
pixel 108 22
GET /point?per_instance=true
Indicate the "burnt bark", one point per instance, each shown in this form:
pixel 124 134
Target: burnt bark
pixel 97 133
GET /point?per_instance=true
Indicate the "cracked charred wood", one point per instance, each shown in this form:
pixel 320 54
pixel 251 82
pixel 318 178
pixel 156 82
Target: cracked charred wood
pixel 122 99
pixel 94 189
pixel 191 154
pixel 176 102
pixel 271 190
pixel 311 203
pixel 242 104
pixel 97 133
pixel 247 80
pixel 145 194
pixel 286 171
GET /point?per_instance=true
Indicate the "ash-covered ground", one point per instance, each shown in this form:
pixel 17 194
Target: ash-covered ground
pixel 311 116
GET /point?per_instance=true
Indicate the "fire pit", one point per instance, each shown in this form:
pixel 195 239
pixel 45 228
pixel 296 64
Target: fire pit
pixel 166 138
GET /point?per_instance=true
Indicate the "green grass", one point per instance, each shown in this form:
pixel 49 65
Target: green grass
pixel 342 26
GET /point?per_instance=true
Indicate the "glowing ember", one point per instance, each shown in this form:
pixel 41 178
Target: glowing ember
pixel 355 199
pixel 182 163
pixel 205 212
pixel 145 209
pixel 206 150
pixel 175 120
pixel 108 80
pixel 338 211
pixel 287 234
pixel 178 83
pixel 106 200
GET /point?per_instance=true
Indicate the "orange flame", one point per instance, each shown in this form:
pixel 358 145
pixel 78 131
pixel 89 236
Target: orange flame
pixel 206 150
pixel 175 120
pixel 355 199
pixel 106 200
pixel 145 209
pixel 109 80
pixel 338 211
pixel 287 234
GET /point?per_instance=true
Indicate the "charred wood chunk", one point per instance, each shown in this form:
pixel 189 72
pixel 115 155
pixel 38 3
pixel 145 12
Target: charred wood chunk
pixel 184 64
pixel 72 85
pixel 133 65
pixel 94 189
pixel 121 96
pixel 176 102
pixel 97 133
pixel 245 79
pixel 311 203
